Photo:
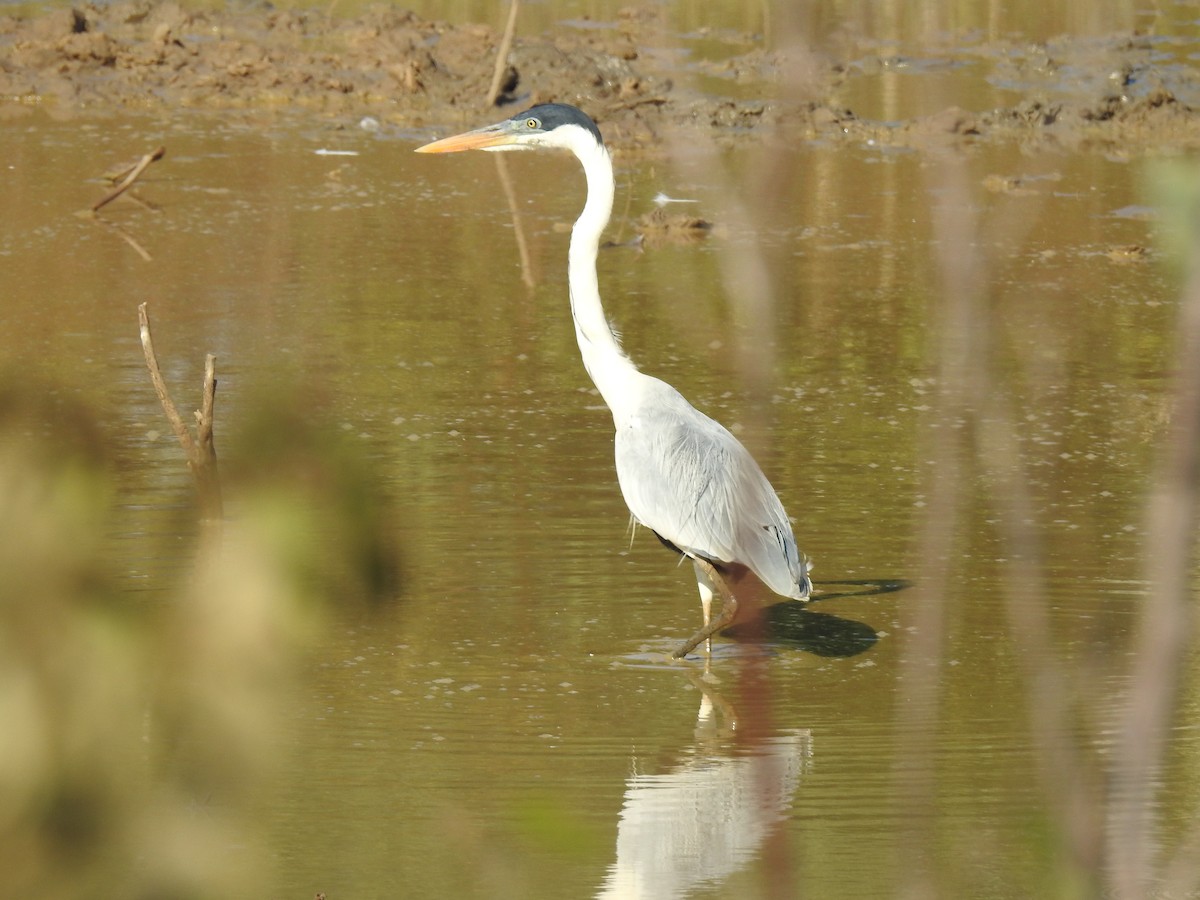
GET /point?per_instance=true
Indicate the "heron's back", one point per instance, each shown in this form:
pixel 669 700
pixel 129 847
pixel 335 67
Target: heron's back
pixel 688 479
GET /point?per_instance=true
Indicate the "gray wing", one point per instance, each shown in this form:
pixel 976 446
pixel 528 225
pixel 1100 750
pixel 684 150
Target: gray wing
pixel 687 478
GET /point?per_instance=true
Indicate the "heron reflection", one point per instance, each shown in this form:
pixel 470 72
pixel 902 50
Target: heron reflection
pixel 707 816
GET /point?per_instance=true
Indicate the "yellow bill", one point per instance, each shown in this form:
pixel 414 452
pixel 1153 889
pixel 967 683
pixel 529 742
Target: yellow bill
pixel 479 139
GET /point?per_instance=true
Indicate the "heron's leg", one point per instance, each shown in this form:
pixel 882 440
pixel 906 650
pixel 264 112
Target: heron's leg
pixel 710 581
pixel 706 592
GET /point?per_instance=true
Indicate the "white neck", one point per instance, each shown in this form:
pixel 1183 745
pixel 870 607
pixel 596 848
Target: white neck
pixel 606 363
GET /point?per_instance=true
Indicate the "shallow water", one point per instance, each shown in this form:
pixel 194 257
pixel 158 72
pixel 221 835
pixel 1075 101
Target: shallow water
pixel 512 725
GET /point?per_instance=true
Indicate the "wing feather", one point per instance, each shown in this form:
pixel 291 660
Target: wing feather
pixel 691 481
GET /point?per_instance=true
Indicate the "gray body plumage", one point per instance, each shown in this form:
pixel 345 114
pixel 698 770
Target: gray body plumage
pixel 687 478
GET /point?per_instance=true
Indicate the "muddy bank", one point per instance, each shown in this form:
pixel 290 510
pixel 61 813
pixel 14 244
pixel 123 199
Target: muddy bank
pixel 418 74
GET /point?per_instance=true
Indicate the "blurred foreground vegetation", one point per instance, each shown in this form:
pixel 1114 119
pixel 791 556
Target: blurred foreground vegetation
pixel 136 740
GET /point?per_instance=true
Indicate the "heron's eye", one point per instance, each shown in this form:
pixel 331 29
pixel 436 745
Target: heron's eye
pixel 532 124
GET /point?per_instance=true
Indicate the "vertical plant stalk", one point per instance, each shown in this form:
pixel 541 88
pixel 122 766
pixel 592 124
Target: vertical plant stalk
pixel 922 666
pixel 502 53
pixel 973 393
pixel 200 451
pixel 1166 625
pixel 749 284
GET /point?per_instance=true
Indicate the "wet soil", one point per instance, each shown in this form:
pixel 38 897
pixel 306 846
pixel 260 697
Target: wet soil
pixel 1121 92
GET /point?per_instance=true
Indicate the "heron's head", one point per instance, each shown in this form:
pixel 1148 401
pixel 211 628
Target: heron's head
pixel 547 125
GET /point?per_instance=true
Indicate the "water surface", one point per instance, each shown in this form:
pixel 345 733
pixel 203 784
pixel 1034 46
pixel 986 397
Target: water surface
pixel 511 725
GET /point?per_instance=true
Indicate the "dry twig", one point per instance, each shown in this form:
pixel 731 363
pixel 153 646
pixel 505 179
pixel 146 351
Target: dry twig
pixel 200 451
pixel 133 176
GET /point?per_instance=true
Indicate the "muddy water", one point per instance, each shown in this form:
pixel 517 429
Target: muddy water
pixel 512 726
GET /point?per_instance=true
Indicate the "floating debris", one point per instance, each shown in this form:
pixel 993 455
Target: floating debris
pixel 1127 253
pixel 662 199
pixel 660 227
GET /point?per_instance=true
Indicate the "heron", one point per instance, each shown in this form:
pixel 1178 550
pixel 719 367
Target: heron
pixel 683 475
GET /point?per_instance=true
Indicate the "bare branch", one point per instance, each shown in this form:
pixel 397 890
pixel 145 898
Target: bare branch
pixel 200 451
pixel 160 386
pixel 133 176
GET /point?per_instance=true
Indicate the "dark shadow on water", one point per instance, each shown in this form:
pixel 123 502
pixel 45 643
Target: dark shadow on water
pixel 822 634
pixel 857 587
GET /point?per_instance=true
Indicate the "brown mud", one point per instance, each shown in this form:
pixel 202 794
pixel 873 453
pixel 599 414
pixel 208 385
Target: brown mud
pixel 1121 93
